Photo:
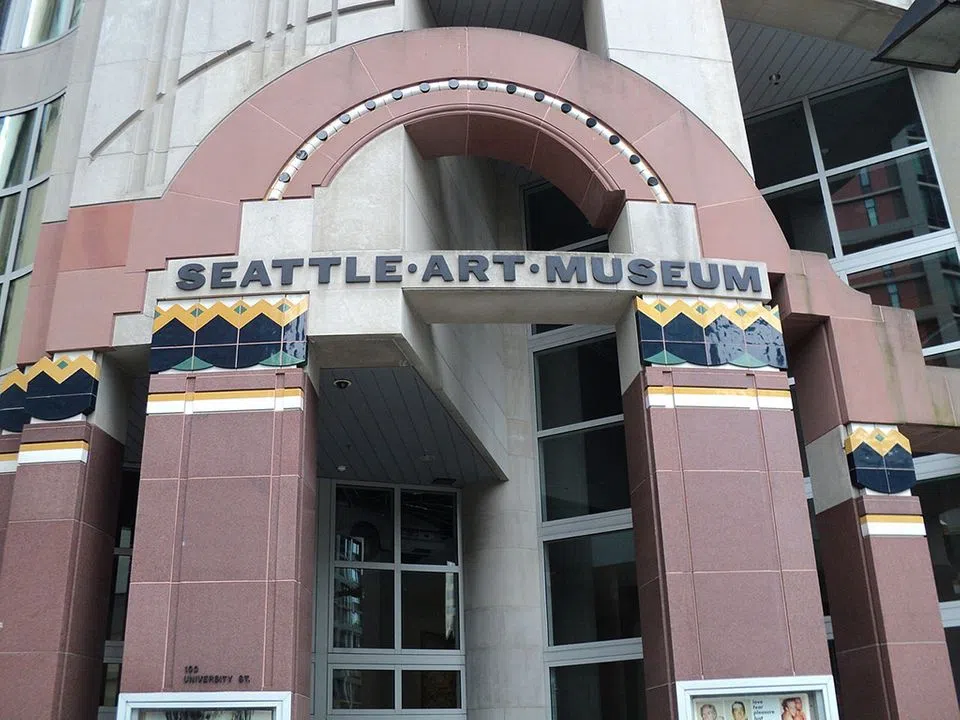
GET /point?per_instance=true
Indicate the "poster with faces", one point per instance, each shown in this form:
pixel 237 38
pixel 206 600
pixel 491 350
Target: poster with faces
pixel 779 706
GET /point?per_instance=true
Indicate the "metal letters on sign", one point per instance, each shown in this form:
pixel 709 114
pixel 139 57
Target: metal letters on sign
pixel 569 269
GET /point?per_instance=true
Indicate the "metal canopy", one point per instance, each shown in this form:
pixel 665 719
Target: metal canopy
pixel 928 37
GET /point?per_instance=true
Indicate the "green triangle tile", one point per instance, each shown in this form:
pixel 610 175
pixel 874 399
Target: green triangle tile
pixel 197 312
pixel 659 307
pixel 62 364
pixel 283 307
pixel 748 361
pixel 664 358
pixel 240 309
pixel 281 359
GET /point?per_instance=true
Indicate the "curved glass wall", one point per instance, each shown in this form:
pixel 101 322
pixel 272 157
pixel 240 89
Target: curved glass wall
pixel 26 155
pixel 25 23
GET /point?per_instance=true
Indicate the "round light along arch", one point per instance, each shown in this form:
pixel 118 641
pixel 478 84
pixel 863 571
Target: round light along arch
pixel 627 152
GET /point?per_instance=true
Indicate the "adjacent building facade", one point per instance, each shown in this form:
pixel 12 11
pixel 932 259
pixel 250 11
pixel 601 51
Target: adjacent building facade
pixel 499 360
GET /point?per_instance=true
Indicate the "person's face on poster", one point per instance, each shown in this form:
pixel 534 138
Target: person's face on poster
pixel 738 711
pixel 708 712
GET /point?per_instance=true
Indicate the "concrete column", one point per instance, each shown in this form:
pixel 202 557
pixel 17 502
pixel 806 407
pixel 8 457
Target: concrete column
pixel 56 568
pixel 503 605
pixel 682 47
pixel 725 563
pixel 221 592
pixel 891 652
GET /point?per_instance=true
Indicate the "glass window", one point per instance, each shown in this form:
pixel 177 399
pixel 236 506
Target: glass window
pixel 584 472
pixel 902 201
pixel 30 226
pixel 15 132
pixel 868 119
pixel 553 220
pixel 430 611
pixel 363 608
pixel 578 383
pixel 110 685
pixel 602 691
pixel 9 204
pixel 25 23
pixel 928 285
pixel 953 648
pixel 363 689
pixel 940 501
pixel 26 146
pixel 400 601
pixel 430 689
pixel 13 321
pixel 206 714
pixel 802 215
pixel 49 127
pixel 364 525
pixel 592 586
pixel 780 146
pixel 428 528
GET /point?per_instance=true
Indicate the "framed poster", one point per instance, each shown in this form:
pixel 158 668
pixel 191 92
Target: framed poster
pixel 798 698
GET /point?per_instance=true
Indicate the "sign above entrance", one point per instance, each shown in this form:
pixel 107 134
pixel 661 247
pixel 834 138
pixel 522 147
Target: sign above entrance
pixel 476 270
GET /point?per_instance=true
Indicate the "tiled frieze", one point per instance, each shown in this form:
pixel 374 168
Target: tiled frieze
pixel 189 403
pixel 229 333
pixel 51 389
pixel 706 397
pixel 879 458
pixel 709 333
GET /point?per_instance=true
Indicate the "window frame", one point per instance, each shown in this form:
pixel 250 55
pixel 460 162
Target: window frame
pixel 396 659
pixel 8 273
pixel 589 653
pixel 899 251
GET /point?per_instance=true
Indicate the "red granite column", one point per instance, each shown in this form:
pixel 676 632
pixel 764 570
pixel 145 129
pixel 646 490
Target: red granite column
pixel 221 592
pixel 9 446
pixel 891 651
pixel 55 575
pixel 727 576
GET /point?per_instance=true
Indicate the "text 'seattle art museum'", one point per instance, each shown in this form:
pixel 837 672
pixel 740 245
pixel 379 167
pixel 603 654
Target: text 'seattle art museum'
pixel 479 359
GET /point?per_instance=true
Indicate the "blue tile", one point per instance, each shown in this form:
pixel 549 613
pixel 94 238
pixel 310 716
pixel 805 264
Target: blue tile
pixel 865 456
pixel 217 332
pixel 259 330
pixel 900 480
pixel 165 358
pixel 252 354
pixel 650 349
pixel 871 478
pixel 173 334
pixel 898 459
pixel 221 356
pixel 648 328
pixel 695 353
pixel 683 329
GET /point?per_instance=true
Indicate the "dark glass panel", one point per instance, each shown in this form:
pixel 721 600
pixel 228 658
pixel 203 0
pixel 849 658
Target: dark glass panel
pixel 430 609
pixel 364 525
pixel 578 382
pixel 592 584
pixel 584 473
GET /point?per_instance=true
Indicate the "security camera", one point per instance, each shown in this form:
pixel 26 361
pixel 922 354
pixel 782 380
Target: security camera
pixel 341 383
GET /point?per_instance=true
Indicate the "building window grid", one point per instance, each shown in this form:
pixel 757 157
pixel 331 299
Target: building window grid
pixel 9 272
pixel 900 251
pixel 587 653
pixel 396 659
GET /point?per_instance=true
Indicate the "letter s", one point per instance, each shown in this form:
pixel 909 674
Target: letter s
pixel 191 276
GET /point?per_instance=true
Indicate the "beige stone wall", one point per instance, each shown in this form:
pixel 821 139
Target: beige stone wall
pixel 164 73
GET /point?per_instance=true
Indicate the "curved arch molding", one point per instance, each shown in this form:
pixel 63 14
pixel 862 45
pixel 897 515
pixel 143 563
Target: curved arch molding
pixel 480 85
